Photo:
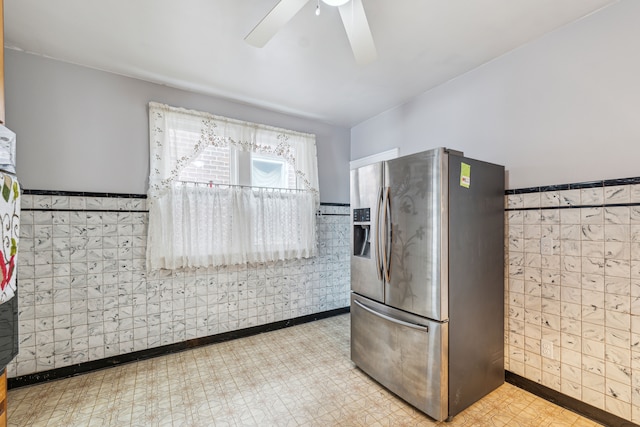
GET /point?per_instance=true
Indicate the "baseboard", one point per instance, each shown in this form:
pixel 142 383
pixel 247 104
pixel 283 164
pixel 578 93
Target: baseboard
pixel 567 402
pixel 94 365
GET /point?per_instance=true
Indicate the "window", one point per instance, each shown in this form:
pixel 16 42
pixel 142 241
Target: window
pixel 267 172
pixel 222 191
pixel 212 165
pixel 228 165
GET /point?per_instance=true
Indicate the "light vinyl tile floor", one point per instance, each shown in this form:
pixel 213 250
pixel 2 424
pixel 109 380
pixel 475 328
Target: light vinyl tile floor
pixel 298 376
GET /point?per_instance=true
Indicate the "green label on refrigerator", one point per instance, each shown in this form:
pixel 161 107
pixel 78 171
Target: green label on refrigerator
pixel 465 175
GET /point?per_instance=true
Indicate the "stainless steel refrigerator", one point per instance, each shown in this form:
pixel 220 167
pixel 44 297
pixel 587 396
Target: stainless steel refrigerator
pixel 427 281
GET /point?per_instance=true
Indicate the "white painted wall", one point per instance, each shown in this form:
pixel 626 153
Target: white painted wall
pixel 79 129
pixel 562 109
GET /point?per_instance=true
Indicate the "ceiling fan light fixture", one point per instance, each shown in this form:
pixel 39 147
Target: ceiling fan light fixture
pixel 354 21
pixel 335 2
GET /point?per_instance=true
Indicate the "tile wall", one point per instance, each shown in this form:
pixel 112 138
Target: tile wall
pixel 573 284
pixel 572 280
pixel 84 293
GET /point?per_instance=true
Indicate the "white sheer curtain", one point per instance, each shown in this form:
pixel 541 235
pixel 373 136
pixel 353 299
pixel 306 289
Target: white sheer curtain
pixel 195 224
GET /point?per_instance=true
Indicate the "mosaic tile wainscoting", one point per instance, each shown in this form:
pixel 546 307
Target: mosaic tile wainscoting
pixel 573 291
pixel 85 295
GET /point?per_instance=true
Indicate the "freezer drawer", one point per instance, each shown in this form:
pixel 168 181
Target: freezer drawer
pixel 405 353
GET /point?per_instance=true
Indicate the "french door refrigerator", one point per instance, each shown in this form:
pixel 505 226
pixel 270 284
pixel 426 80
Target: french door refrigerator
pixel 427 281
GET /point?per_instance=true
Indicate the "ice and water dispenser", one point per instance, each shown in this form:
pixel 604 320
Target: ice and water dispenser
pixel 362 232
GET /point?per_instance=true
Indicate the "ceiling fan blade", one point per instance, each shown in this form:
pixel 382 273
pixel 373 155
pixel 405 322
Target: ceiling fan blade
pixel 358 31
pixel 273 21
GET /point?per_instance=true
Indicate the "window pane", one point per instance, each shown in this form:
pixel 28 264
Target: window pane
pixel 212 165
pixel 267 173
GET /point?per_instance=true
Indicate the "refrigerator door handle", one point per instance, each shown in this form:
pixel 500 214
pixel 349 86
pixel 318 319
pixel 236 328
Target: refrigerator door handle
pixel 392 319
pixel 387 235
pixel 383 233
pixel 377 234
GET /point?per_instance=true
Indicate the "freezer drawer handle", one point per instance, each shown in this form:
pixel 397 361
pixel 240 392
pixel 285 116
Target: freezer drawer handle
pixel 392 319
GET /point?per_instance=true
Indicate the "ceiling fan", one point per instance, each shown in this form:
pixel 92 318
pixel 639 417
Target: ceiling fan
pixel 353 18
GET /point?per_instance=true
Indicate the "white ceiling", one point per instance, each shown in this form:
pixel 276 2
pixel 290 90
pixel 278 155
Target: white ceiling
pixel 308 68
